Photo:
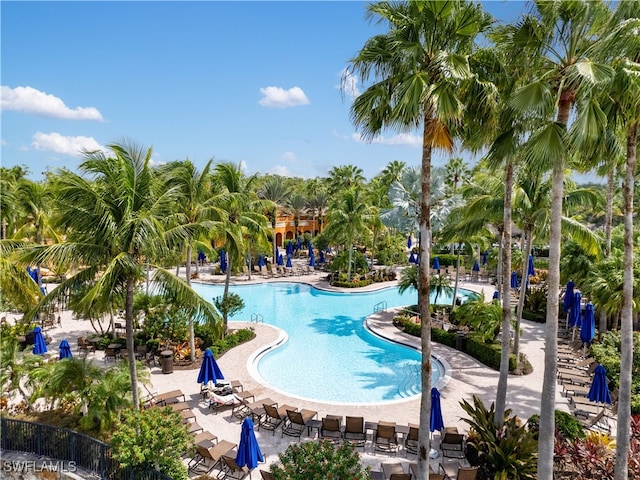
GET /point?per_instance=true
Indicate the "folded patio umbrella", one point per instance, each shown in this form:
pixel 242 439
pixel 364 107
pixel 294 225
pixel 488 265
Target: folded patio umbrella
pixel 289 264
pixel 249 453
pixel 412 258
pixel 514 279
pixel 223 261
pixel 588 327
pixel 321 259
pixel 575 311
pixel 436 263
pixel 476 267
pixel 261 261
pixel 65 349
pixel 312 261
pixel 599 390
pixel 409 243
pixel 437 423
pixel 209 369
pixel 39 344
pixel 568 296
pixel 531 271
pixel 485 256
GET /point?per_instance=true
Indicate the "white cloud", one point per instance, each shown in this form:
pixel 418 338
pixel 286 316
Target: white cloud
pixel 4 143
pixel 73 146
pixel 289 157
pixel 399 139
pixel 349 84
pixel 30 100
pixel 280 98
pixel 282 171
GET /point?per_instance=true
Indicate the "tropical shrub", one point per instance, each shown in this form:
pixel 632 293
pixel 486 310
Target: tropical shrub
pixel 606 351
pixel 321 459
pixel 219 346
pixel 507 451
pixel 152 438
pixel 567 425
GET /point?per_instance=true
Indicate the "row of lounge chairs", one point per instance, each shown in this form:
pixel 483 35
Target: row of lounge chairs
pixel 396 471
pixel 575 375
pixel 274 271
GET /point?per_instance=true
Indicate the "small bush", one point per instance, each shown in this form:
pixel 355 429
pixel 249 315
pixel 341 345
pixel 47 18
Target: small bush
pixel 321 459
pixel 232 340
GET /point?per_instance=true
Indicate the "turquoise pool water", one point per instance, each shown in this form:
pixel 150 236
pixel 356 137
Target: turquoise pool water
pixel 329 355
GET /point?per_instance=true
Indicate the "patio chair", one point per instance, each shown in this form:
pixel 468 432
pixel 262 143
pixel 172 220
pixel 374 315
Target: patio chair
pixel 296 422
pixel 467 473
pixel 433 475
pixel 206 459
pixel 331 429
pixel 452 443
pixel 392 470
pixel 230 469
pixel 411 439
pixel 354 431
pixel 266 475
pixel 205 439
pixel 273 416
pixel 110 353
pixel 386 438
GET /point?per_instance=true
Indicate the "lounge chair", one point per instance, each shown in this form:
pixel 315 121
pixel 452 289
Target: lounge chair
pixel 216 402
pixel 331 429
pixel 411 439
pixel 296 422
pixel 385 438
pixel 230 469
pixel 433 475
pixel 205 439
pixel 392 470
pixel 266 475
pixel 206 459
pixel 110 353
pixel 354 431
pixel 467 473
pixel 273 416
pixel 452 443
pixel 167 398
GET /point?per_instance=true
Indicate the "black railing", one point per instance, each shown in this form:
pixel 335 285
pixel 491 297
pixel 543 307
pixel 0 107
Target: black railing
pixel 85 452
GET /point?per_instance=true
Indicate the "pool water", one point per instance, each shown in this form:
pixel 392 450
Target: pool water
pixel 329 355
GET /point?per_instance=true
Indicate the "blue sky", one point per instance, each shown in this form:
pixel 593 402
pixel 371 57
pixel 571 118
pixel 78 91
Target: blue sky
pixel 256 83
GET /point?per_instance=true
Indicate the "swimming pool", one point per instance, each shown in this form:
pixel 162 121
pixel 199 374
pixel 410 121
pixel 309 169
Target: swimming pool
pixel 329 355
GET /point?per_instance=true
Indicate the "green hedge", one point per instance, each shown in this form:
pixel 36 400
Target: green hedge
pixel 487 353
pixel 355 283
pixel 231 340
pixel 442 336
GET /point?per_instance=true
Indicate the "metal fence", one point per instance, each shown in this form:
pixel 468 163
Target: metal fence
pixel 86 453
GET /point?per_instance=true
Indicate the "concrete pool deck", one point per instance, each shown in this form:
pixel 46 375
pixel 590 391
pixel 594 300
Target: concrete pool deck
pixel 468 378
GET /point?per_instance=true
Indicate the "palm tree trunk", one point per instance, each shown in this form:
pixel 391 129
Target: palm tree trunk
pixel 192 335
pixel 455 285
pixel 546 437
pixel 350 257
pixel 608 229
pixel 626 322
pixel 131 353
pixel 528 243
pixel 424 306
pixel 501 391
pixel 227 281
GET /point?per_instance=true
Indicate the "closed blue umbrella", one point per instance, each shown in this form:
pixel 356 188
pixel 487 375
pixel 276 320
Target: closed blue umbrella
pixel 437 423
pixel 514 279
pixel 201 256
pixel 485 256
pixel 568 296
pixel 299 243
pixel 599 390
pixel 65 349
pixel 531 271
pixel 277 254
pixel 249 453
pixel 409 243
pixel 39 345
pixel 321 259
pixel 280 260
pixel 311 249
pixel 289 264
pixel 312 261
pixel 209 370
pixel 476 267
pixel 436 263
pixel 261 261
pixel 588 327
pixel 289 247
pixel 412 258
pixel 574 312
pixel 496 295
pixel 223 261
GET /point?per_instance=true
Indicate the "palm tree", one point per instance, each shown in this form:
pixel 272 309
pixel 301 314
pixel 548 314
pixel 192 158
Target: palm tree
pixel 318 204
pixel 193 213
pixel 296 206
pixel 457 171
pixel 347 219
pixel 242 215
pixel 115 221
pixel 14 367
pixel 275 192
pixel 622 47
pixel 418 66
pixel 555 40
pixel 392 172
pixel 343 177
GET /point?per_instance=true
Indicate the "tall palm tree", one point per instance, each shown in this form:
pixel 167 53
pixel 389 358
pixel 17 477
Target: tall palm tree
pixel 622 46
pixel 318 204
pixel 556 39
pixel 347 219
pixel 115 218
pixel 275 192
pixel 193 213
pixel 297 206
pixel 345 176
pixel 243 218
pixel 417 67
